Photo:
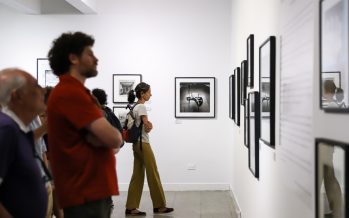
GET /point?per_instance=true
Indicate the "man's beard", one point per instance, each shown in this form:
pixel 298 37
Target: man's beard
pixel 89 73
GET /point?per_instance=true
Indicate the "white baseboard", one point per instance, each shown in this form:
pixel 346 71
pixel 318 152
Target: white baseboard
pixel 236 204
pixel 185 187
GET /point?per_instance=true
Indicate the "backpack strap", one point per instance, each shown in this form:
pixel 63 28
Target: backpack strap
pixel 140 125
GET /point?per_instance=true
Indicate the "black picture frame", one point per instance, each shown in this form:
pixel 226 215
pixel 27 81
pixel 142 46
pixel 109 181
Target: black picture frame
pixel 334 54
pixel 232 97
pixel 267 62
pixel 246 126
pixel 44 73
pixel 244 81
pixel 195 97
pixel 331 175
pixel 120 112
pixel 254 132
pixel 237 96
pixel 122 84
pixel 250 60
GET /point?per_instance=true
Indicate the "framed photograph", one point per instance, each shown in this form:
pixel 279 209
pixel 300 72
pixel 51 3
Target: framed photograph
pixel 267 56
pixel 244 80
pixel 232 97
pixel 121 113
pixel 44 73
pixel 194 97
pixel 331 178
pixel 237 95
pixel 250 60
pixel 334 56
pixel 246 127
pixel 122 84
pixel 254 132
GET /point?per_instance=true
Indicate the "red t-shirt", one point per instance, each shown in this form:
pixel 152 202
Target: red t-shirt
pixel 81 172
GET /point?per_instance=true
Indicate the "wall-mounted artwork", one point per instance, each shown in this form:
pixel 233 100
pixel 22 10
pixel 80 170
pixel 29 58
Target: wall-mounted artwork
pixel 121 113
pixel 250 60
pixel 331 172
pixel 195 97
pixel 267 56
pixel 232 97
pixel 254 132
pixel 334 55
pixel 246 127
pixel 45 74
pixel 244 81
pixel 237 74
pixel 122 84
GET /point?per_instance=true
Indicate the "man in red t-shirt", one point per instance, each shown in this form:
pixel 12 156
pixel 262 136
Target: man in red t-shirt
pixel 81 141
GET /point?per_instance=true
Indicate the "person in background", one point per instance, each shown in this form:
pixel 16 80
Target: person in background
pixel 340 98
pixel 329 91
pixel 22 188
pixel 81 140
pixel 144 160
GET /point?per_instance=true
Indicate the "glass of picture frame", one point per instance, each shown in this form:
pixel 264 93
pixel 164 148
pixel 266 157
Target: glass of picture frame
pixel 194 97
pixel 244 81
pixel 237 74
pixel 334 55
pixel 331 172
pixel 250 61
pixel 254 132
pixel 44 73
pixel 246 127
pixel 122 84
pixel 267 58
pixel 232 97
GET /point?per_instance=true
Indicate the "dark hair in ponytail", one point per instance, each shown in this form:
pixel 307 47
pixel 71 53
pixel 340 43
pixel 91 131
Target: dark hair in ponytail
pixel 142 87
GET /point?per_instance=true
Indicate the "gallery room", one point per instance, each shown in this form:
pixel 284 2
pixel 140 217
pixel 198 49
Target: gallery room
pixel 243 124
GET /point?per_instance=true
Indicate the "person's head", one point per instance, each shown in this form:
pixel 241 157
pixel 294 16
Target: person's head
pixel 72 52
pixel 20 92
pixel 339 95
pixel 142 92
pixel 100 95
pixel 329 88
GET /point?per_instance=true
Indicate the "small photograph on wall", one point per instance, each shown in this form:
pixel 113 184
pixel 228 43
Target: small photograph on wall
pixel 244 81
pixel 232 97
pixel 121 113
pixel 334 55
pixel 254 132
pixel 250 60
pixel 246 127
pixel 195 97
pixel 331 178
pixel 122 84
pixel 267 62
pixel 237 74
pixel 44 73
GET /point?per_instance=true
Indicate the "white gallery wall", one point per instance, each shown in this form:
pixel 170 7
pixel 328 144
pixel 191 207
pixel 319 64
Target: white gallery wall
pixel 160 40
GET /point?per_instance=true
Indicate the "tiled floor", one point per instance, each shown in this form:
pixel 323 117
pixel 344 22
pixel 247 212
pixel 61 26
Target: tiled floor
pixel 188 204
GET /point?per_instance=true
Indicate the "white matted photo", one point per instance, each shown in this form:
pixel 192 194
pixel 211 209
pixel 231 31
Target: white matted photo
pixel 44 73
pixel 122 84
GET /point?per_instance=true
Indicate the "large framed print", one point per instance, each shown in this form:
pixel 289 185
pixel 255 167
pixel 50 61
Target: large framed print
pixel 194 97
pixel 232 97
pixel 334 56
pixel 122 84
pixel 244 81
pixel 267 57
pixel 254 132
pixel 250 60
pixel 246 127
pixel 331 178
pixel 237 95
pixel 44 73
pixel 121 113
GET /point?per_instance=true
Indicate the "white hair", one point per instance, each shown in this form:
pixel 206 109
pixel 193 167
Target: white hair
pixel 9 82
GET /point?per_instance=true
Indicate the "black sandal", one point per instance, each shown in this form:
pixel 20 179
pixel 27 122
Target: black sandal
pixel 163 210
pixel 134 212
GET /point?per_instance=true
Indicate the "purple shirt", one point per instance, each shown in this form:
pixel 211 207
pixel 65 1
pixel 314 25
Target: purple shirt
pixel 22 190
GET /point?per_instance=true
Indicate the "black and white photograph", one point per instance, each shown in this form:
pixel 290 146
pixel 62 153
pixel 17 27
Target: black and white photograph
pixel 237 74
pixel 246 127
pixel 244 81
pixel 250 60
pixel 331 178
pixel 334 55
pixel 121 113
pixel 254 133
pixel 45 74
pixel 194 97
pixel 232 97
pixel 122 84
pixel 267 62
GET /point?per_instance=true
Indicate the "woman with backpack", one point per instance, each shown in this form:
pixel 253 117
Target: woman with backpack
pixel 144 159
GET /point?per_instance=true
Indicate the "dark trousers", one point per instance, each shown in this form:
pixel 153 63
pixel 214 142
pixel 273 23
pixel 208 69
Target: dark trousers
pixel 94 209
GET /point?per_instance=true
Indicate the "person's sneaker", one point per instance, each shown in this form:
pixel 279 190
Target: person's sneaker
pixel 163 210
pixel 134 212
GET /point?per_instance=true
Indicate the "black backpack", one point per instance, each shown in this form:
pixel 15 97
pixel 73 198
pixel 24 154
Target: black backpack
pixel 130 131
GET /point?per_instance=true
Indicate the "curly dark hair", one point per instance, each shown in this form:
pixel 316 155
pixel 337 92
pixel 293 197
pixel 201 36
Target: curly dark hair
pixel 63 46
pixel 100 95
pixel 142 87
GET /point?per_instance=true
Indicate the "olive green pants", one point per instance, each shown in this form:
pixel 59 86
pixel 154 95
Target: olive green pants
pixel 144 161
